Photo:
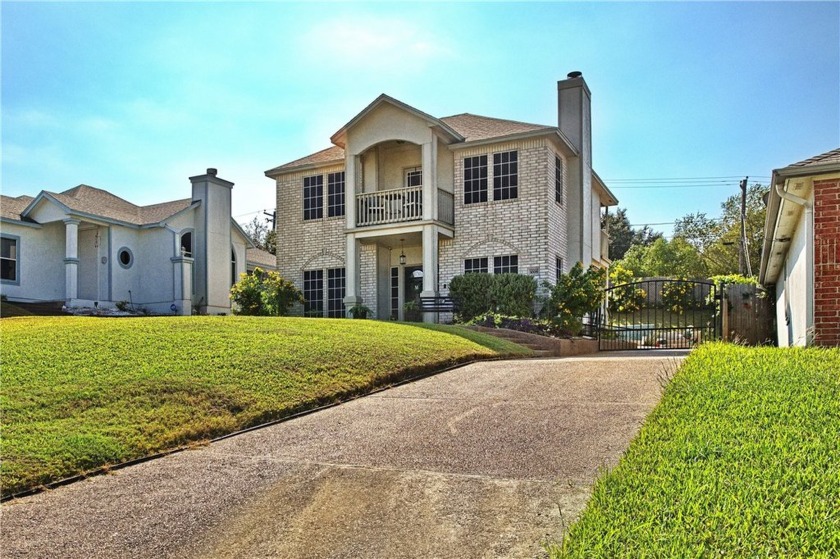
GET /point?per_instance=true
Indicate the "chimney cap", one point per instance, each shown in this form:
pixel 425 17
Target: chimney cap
pixel 212 171
pixel 574 74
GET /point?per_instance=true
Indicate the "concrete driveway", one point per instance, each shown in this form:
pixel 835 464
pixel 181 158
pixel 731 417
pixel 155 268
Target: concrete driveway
pixel 488 460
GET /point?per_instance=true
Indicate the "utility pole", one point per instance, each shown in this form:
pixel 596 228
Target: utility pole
pixel 271 217
pixel 742 254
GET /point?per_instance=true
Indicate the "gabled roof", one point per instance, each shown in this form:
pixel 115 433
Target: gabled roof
pixel 332 154
pixel 338 137
pixel 11 208
pixel 463 128
pixel 97 202
pixel 475 127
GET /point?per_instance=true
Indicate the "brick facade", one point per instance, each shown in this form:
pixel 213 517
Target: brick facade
pixel 316 244
pixel 531 226
pixel 827 262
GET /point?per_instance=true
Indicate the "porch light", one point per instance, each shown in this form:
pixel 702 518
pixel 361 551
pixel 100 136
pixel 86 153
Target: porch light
pixel 402 253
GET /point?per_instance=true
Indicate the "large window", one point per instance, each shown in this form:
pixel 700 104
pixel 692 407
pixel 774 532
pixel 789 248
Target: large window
pixel 335 194
pixel 505 175
pixel 508 264
pixel 313 197
pixel 475 266
pixel 313 293
pixel 558 180
pixel 9 263
pixel 335 293
pixel 475 179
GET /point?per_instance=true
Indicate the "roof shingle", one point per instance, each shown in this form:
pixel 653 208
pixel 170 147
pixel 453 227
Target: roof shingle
pixel 10 208
pixel 827 158
pixel 96 201
pixel 476 127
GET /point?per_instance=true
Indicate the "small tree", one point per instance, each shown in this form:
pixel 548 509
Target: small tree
pixel 264 294
pixel 624 298
pixel 573 296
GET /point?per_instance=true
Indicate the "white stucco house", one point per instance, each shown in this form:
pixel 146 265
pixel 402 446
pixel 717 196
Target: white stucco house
pixel 801 251
pixel 403 201
pixel 87 247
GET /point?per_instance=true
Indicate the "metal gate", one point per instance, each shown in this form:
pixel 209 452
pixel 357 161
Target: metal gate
pixel 659 314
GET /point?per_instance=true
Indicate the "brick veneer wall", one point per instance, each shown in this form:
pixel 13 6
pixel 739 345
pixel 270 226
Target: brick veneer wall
pixel 315 244
pixel 532 226
pixel 827 262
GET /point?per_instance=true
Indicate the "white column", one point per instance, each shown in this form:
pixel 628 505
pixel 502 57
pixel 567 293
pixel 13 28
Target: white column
pixel 351 164
pixel 351 273
pixel 430 179
pixel 71 260
pixel 182 279
pixel 430 266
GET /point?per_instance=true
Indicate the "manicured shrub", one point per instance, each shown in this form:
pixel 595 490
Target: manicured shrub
pixel 506 294
pixel 472 295
pixel 573 296
pixel 264 294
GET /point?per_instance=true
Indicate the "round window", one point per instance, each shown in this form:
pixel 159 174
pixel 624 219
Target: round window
pixel 125 257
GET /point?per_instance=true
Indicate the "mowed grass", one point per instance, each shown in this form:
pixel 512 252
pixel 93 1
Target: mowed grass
pixel 79 393
pixel 740 459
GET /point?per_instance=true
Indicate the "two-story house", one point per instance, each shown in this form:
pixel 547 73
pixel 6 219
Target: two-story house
pixel 405 201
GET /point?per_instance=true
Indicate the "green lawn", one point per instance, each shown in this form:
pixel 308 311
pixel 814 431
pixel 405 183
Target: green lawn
pixel 77 393
pixel 740 459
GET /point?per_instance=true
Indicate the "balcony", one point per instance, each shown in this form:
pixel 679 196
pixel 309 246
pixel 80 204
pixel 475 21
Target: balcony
pixel 399 205
pixel 605 245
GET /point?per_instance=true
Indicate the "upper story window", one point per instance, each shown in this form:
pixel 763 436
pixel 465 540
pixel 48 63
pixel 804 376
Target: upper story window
pixel 313 197
pixel 508 264
pixel 505 175
pixel 475 266
pixel 335 194
pixel 9 268
pixel 475 179
pixel 558 180
pixel 414 177
pixel 558 268
pixel 187 244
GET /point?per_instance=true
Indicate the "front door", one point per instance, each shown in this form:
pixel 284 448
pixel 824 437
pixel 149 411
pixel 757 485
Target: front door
pixel 413 287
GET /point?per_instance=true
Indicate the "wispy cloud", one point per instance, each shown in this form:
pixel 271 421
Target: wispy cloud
pixel 372 44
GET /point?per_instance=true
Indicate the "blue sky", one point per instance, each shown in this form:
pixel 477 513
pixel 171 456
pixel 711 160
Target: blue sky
pixel 136 97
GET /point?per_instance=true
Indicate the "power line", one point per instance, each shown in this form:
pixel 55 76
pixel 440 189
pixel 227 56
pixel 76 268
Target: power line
pixel 675 179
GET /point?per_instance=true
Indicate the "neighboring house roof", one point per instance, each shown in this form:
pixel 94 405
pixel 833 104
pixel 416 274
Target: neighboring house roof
pixel 95 201
pixel 828 158
pixel 475 127
pixel 780 223
pixel 261 257
pixel 11 208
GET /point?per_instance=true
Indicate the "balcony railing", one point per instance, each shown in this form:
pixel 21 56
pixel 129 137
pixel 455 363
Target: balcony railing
pixel 446 207
pixel 605 245
pixel 389 206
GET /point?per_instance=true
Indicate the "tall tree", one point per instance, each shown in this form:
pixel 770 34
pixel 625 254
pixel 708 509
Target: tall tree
pixel 717 239
pixel 261 234
pixel 676 258
pixel 622 236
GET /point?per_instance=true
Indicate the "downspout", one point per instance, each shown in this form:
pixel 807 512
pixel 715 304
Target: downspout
pixel 809 259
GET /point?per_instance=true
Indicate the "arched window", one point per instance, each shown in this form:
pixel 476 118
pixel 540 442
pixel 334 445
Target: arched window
pixel 187 244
